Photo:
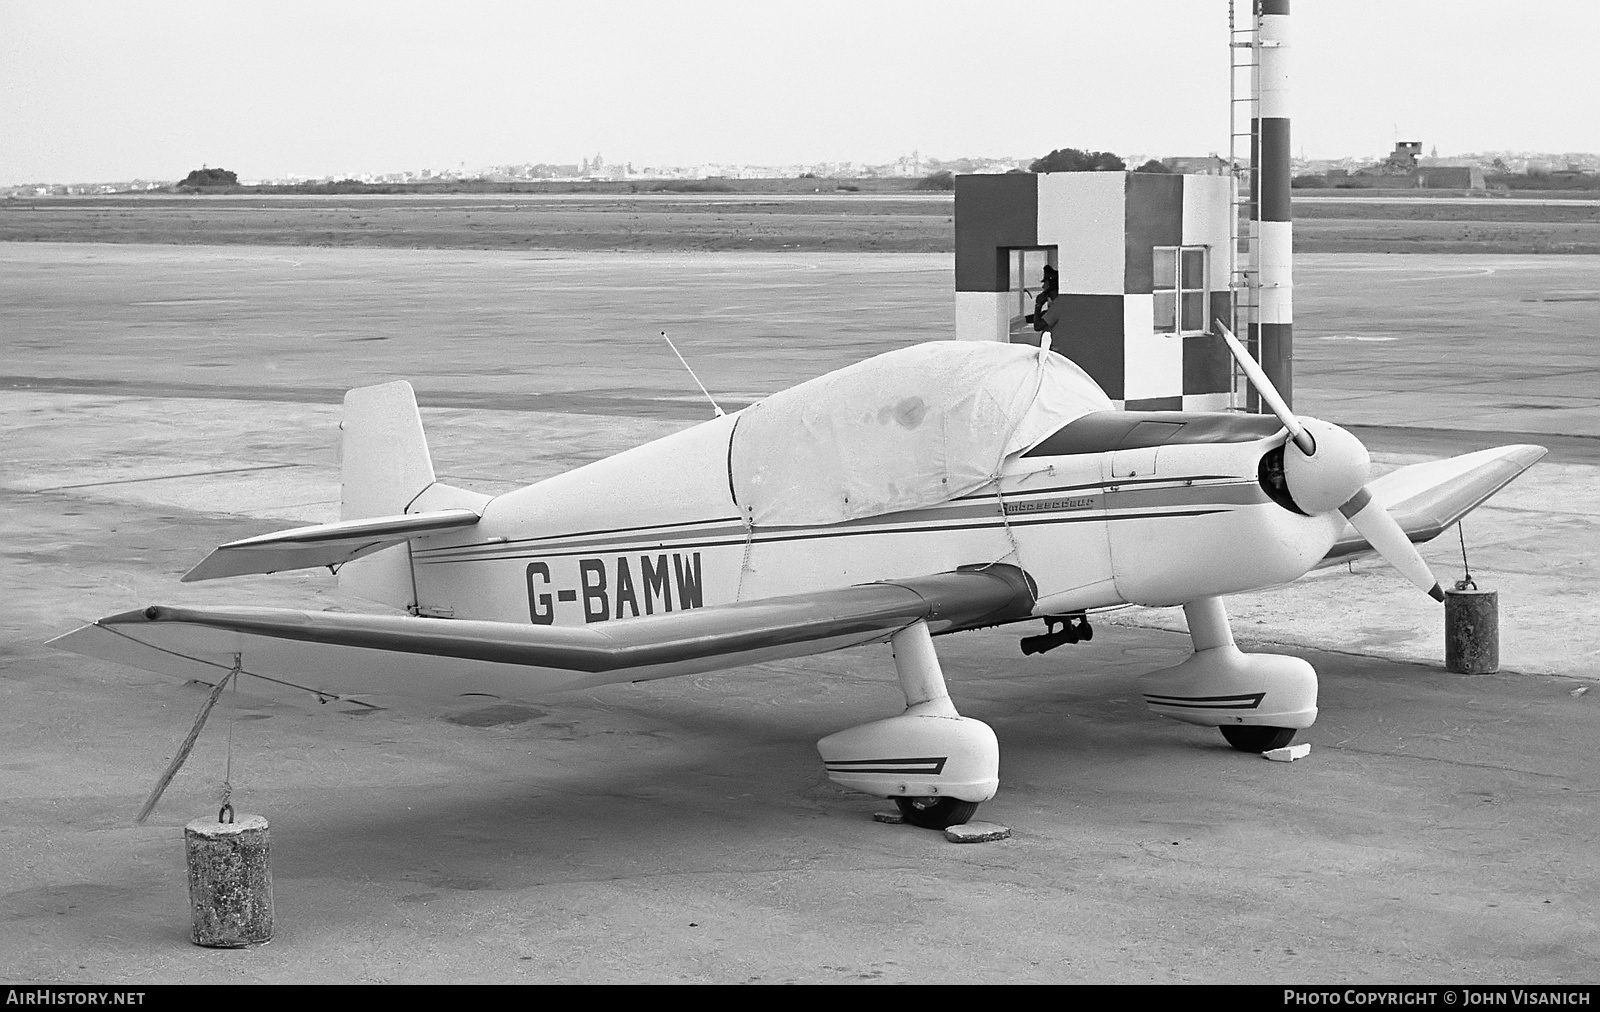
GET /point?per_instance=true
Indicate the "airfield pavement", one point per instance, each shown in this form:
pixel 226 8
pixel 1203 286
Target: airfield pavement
pixel 157 400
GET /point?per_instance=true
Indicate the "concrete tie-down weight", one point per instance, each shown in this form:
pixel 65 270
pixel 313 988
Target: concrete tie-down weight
pixel 230 880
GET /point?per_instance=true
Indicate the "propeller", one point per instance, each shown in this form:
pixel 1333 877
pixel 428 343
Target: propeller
pixel 1326 468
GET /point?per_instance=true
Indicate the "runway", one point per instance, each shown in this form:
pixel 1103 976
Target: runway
pixel 1411 197
pixel 160 400
pixel 1484 343
pixel 826 219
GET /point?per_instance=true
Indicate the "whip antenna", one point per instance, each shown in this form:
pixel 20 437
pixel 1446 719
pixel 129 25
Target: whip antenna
pixel 714 405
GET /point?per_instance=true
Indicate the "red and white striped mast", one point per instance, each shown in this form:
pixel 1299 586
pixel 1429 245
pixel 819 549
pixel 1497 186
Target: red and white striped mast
pixel 1272 330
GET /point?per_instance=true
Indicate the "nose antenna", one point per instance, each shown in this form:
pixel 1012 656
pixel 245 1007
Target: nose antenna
pixel 714 405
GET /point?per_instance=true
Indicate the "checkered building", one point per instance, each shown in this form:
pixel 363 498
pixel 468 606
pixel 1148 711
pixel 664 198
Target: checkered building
pixel 1144 263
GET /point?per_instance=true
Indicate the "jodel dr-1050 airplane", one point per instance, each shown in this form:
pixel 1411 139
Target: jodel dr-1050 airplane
pixel 941 487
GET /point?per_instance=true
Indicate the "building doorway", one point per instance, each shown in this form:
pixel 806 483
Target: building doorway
pixel 1026 276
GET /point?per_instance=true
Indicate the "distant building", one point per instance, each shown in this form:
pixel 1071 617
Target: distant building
pixel 1403 158
pixel 1405 168
pixel 1202 165
pixel 1450 177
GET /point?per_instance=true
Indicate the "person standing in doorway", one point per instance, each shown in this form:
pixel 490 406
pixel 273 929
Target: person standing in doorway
pixel 1048 289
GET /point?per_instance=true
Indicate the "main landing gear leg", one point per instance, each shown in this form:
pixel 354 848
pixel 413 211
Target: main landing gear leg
pixel 921 677
pixel 936 764
pixel 1258 701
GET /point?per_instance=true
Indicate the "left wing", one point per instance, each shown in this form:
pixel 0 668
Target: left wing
pixel 338 655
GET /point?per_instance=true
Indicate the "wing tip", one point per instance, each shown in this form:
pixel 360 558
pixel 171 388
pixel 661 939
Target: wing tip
pixel 152 613
pixel 1526 454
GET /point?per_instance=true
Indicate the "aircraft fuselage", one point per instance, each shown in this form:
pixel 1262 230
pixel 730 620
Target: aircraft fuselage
pixel 658 529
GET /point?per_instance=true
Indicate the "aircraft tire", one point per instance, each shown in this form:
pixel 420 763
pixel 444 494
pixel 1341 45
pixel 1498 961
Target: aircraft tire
pixel 936 813
pixel 1257 739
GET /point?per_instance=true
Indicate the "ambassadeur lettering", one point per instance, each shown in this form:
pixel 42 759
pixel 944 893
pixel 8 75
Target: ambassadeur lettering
pixel 611 587
pixel 1077 502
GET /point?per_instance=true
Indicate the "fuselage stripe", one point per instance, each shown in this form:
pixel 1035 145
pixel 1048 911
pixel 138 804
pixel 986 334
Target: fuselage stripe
pixel 1112 483
pixel 1236 493
pixel 590 534
pixel 625 548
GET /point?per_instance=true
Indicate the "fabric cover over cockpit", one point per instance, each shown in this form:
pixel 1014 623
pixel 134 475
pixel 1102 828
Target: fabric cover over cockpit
pixel 903 430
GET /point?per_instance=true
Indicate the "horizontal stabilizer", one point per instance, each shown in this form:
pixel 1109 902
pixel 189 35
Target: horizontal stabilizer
pixel 342 655
pixel 324 544
pixel 1425 499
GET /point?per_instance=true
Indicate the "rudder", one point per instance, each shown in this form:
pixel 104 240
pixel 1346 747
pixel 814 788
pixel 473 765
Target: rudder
pixel 384 465
pixel 384 459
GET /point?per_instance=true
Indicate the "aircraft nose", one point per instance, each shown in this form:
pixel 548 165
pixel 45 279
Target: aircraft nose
pixel 1335 470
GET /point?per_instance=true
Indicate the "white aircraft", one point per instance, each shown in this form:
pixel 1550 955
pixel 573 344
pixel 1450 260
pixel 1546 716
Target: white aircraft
pixel 942 487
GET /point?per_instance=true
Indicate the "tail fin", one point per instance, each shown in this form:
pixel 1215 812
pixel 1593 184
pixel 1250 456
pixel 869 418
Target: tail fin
pixel 384 465
pixel 384 456
pixel 389 499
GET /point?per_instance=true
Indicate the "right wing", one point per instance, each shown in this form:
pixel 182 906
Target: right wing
pixel 1425 499
pixel 341 655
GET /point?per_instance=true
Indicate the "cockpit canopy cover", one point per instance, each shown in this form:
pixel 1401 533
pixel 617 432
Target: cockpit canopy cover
pixel 906 429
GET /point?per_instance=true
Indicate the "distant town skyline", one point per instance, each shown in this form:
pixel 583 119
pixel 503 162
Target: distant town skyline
pixel 118 91
pixel 913 165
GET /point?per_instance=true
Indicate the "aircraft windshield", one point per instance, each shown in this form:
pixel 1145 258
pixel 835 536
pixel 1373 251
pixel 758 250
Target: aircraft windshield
pixel 906 429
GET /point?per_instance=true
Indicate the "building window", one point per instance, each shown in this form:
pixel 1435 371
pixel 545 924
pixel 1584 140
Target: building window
pixel 1180 290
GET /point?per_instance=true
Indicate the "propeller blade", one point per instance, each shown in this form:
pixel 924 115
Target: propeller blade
pixel 1268 392
pixel 1370 519
pixel 1374 523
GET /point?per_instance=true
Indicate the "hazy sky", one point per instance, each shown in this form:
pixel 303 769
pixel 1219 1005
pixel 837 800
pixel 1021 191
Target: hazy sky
pixel 118 90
